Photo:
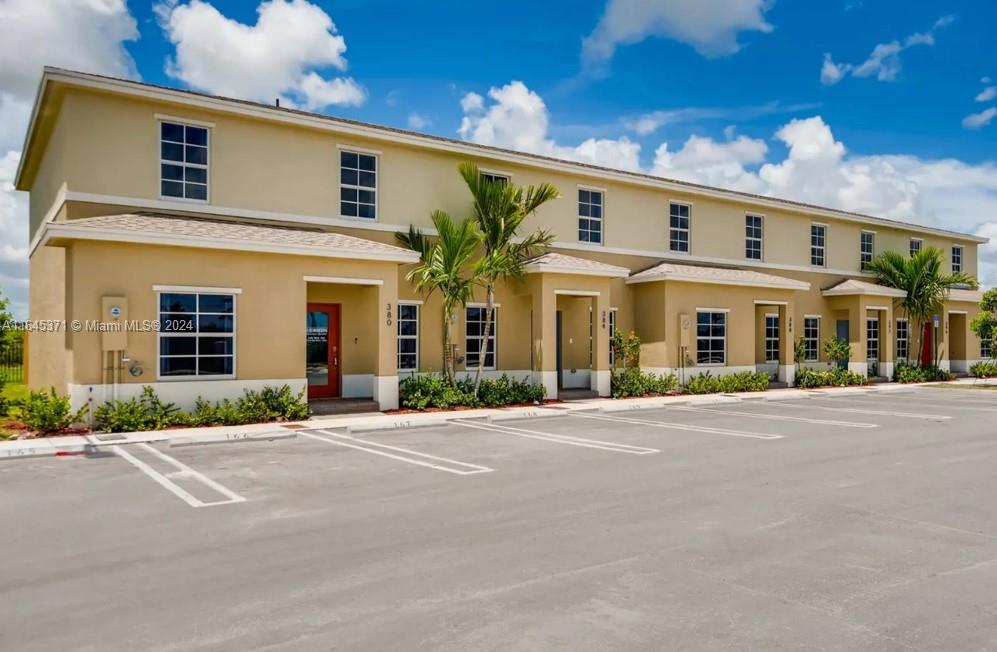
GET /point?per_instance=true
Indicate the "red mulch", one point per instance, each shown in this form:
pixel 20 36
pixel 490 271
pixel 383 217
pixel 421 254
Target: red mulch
pixel 24 432
pixel 458 408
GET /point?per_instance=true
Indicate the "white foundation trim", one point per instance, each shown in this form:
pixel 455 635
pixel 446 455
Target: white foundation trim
pixel 357 386
pixel 945 365
pixel 183 394
pixel 576 379
pixel 601 382
pixel 386 392
pixel 861 368
pixel 549 380
pixel 886 369
pixel 344 280
pixel 787 374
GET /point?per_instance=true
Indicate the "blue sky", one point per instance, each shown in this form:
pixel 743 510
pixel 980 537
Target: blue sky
pixel 879 106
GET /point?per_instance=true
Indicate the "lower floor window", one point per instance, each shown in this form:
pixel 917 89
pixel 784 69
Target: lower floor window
pixel 903 339
pixel 408 337
pixel 872 339
pixel 771 338
pixel 986 349
pixel 612 332
pixel 197 334
pixel 811 339
pixel 475 332
pixel 711 337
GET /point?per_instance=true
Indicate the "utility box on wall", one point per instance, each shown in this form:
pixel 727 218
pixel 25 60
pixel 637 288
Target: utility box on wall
pixel 685 326
pixel 113 315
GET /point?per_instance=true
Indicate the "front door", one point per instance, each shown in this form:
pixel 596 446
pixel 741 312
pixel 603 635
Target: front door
pixel 842 334
pixel 322 350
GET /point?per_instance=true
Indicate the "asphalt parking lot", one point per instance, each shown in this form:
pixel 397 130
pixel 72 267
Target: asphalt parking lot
pixel 864 521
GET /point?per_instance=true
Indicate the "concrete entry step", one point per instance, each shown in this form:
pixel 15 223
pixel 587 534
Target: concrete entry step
pixel 327 406
pixel 576 394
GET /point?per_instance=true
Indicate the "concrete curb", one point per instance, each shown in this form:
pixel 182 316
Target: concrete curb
pixel 231 438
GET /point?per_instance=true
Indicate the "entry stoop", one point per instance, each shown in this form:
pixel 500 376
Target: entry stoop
pixel 327 406
pixel 576 394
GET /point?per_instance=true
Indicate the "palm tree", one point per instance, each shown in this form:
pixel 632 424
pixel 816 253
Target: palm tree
pixel 499 210
pixel 445 266
pixel 920 276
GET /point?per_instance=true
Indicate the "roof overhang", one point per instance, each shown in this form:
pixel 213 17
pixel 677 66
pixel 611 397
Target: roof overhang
pixel 375 132
pixel 775 283
pixel 878 291
pixel 540 268
pixel 60 231
pixel 969 296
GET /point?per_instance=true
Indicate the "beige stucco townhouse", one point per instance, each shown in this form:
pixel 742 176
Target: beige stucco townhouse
pixel 259 242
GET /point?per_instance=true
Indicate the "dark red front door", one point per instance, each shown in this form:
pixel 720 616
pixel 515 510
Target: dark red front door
pixel 322 357
pixel 927 345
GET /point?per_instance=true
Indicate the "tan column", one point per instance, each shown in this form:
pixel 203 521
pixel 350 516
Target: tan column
pixel 544 336
pixel 599 379
pixel 887 342
pixel 787 343
pixel 386 372
pixel 857 336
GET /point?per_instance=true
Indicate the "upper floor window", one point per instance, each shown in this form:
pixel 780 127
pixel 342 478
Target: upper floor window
pixel 867 248
pixel 956 259
pixel 915 245
pixel 495 177
pixel 183 161
pixel 590 216
pixel 357 185
pixel 818 244
pixel 197 334
pixel 408 336
pixel 678 231
pixel 753 237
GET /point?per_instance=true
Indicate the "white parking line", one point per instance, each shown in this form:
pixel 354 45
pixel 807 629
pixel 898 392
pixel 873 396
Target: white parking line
pixel 678 426
pixel 182 471
pixel 559 439
pixel 779 417
pixel 956 405
pixel 886 413
pixel 377 448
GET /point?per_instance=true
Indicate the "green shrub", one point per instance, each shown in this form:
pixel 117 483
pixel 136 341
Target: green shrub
pixel 222 413
pixel 507 391
pixel 435 391
pixel 625 383
pixel 809 378
pixel 742 381
pixel 47 412
pixel 908 373
pixel 984 370
pixel 145 412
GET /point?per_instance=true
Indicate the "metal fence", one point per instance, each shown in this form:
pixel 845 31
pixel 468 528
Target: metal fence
pixel 12 357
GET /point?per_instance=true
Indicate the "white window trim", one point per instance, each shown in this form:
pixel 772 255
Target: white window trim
pixel 377 184
pixel 879 338
pixel 354 148
pixel 688 231
pixel 962 256
pixel 611 325
pixel 761 240
pixel 920 244
pixel 399 336
pixel 602 221
pixel 496 173
pixel 906 339
pixel 778 343
pixel 159 120
pixel 804 331
pixel 872 256
pixel 823 248
pixel 726 326
pixel 493 335
pixel 179 289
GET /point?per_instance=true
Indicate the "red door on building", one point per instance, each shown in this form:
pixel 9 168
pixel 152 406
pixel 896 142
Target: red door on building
pixel 927 345
pixel 322 359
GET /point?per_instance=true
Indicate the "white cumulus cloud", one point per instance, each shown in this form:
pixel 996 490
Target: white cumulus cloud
pixel 87 35
pixel 710 26
pixel 279 56
pixel 981 119
pixel 884 61
pixel 987 94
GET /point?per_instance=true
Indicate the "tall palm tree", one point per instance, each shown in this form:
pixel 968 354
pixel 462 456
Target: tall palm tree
pixel 445 266
pixel 499 210
pixel 920 276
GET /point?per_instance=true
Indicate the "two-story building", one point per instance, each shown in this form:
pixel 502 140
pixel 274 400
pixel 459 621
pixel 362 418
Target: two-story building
pixel 238 245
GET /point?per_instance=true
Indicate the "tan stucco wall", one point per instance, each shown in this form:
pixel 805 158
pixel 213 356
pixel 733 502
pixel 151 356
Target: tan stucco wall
pixel 108 144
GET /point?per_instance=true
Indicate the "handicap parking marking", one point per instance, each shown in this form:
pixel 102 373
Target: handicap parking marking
pixel 183 471
pixel 812 404
pixel 678 426
pixel 397 453
pixel 777 417
pixel 568 440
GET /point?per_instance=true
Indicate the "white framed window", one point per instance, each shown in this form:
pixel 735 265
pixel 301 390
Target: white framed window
pixel 197 335
pixel 872 339
pixel 408 337
pixel 903 339
pixel 956 259
pixel 183 161
pixel 818 244
pixel 474 332
pixel 867 248
pixel 679 217
pixel 772 338
pixel 986 349
pixel 612 332
pixel 915 245
pixel 811 339
pixel 357 184
pixel 590 208
pixel 711 337
pixel 753 226
pixel 495 177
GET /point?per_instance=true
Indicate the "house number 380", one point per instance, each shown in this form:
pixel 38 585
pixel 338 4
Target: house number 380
pixel 389 314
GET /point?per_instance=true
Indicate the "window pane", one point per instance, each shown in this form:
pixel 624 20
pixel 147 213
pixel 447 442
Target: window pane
pixel 198 155
pixel 214 366
pixel 172 172
pixel 177 345
pixel 215 324
pixel 406 327
pixel 178 322
pixel 406 345
pixel 195 175
pixel 195 191
pixel 171 189
pixel 216 303
pixel 172 132
pixel 348 160
pixel 178 366
pixel 172 152
pixel 367 162
pixel 214 345
pixel 366 210
pixel 365 197
pixel 347 209
pixel 407 311
pixel 177 302
pixel 348 177
pixel 348 194
pixel 197 136
pixel 366 179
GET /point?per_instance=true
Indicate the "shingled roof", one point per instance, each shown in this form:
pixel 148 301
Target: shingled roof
pixel 717 275
pixel 561 263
